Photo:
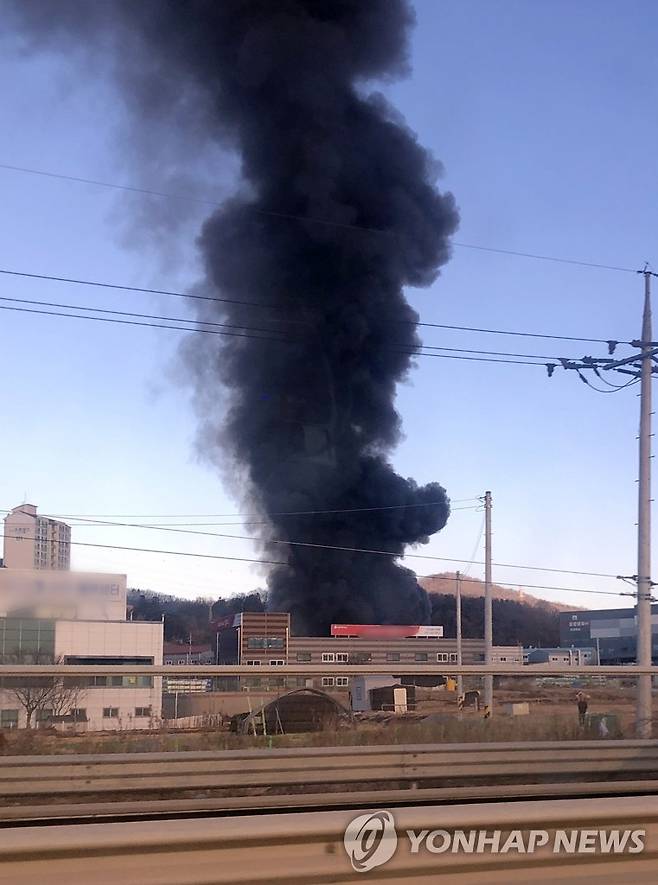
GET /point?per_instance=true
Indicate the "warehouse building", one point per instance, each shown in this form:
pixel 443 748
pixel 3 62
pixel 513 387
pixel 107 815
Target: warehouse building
pixel 264 638
pixel 612 632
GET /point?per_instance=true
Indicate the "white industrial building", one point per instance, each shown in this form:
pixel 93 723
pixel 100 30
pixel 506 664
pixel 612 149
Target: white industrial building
pixel 54 615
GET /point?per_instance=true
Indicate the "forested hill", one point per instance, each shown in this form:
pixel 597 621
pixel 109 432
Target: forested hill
pixel 513 621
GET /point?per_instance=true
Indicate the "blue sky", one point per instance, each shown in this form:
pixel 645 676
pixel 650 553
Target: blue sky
pixel 543 115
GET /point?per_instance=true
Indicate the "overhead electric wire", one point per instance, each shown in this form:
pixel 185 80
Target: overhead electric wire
pixel 124 288
pixel 307 219
pixel 123 313
pixel 537 257
pixel 145 316
pixel 79 316
pixel 84 523
pixel 344 549
pixel 477 544
pixel 217 556
pixel 281 513
pixel 600 390
pixel 506 584
pixel 175 294
pixel 520 334
pixel 257 337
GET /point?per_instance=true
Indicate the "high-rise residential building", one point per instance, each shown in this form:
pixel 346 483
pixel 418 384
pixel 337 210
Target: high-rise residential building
pixel 35 542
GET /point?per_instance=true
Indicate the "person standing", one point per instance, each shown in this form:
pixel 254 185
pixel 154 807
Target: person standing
pixel 582 702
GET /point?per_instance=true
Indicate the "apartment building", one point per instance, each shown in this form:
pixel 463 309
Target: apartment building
pixel 35 542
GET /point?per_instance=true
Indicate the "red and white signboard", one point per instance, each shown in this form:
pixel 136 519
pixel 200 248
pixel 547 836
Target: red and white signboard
pixel 387 631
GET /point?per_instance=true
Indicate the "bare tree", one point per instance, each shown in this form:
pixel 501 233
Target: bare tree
pixel 58 694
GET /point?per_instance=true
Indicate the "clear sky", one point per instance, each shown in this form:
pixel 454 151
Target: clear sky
pixel 543 115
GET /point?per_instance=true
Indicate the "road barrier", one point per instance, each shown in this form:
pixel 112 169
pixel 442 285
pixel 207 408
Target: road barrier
pixel 33 787
pixel 305 849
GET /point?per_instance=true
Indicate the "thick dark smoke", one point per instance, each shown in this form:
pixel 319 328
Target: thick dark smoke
pixel 307 420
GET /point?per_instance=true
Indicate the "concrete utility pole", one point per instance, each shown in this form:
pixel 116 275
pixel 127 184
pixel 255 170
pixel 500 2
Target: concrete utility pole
pixel 458 602
pixel 644 699
pixel 488 618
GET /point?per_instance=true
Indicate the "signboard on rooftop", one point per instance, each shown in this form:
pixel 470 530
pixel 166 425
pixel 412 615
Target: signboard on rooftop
pixel 388 631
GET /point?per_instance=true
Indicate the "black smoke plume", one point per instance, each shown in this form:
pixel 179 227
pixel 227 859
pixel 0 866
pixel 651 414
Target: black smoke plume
pixel 337 210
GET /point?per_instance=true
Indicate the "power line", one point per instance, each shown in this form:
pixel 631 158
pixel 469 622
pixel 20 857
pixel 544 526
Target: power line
pixel 175 294
pixel 608 341
pixel 306 218
pixel 281 513
pixel 488 356
pixel 123 288
pixel 258 515
pixel 145 316
pixel 217 556
pixel 88 521
pixel 247 522
pixel 258 337
pixel 78 316
pixel 245 328
pixel 537 257
pixel 506 584
pixel 290 543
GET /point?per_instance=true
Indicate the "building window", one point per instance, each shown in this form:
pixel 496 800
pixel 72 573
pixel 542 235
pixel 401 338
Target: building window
pixel 277 662
pixel 502 659
pixel 342 680
pixel 442 657
pixel 328 657
pixel 327 680
pixel 393 657
pixel 421 657
pixel 142 712
pixel 8 718
pixel 342 657
pixel 303 657
pixel 453 657
pixel 110 712
pixel 361 657
pixel 253 663
pixel 265 642
pixel 79 714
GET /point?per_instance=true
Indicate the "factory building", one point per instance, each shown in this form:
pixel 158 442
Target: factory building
pixel 264 638
pixel 52 616
pixel 612 632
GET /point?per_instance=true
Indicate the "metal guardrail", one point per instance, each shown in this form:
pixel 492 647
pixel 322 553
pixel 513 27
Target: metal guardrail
pixel 305 849
pixel 311 776
pixel 330 669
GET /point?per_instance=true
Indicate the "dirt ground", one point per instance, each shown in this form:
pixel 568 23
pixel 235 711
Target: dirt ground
pixel 553 716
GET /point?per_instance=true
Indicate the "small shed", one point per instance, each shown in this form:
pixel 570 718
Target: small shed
pixel 300 710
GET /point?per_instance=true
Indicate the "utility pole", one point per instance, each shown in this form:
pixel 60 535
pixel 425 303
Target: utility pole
pixel 488 619
pixel 641 369
pixel 644 699
pixel 458 601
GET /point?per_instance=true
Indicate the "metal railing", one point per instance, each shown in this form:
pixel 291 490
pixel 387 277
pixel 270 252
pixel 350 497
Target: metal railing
pixel 42 786
pixel 305 849
pixel 329 669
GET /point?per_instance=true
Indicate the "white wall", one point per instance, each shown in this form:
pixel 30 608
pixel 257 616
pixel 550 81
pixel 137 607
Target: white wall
pixel 126 639
pixel 63 594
